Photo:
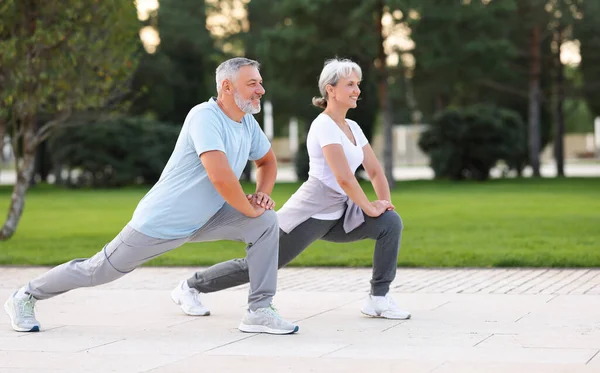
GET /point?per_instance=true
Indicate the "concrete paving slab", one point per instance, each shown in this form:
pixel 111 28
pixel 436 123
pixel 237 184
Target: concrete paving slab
pixel 463 320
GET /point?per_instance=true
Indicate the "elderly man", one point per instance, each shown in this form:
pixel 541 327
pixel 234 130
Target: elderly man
pixel 197 198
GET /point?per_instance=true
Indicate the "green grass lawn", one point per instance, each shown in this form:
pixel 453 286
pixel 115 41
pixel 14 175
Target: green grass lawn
pixel 538 223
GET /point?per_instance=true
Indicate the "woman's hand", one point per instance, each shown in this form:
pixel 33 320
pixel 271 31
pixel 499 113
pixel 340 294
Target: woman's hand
pixel 378 207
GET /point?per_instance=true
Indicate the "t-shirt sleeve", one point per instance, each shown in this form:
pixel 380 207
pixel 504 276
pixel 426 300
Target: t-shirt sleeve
pixel 361 139
pixel 205 132
pixel 260 143
pixel 327 133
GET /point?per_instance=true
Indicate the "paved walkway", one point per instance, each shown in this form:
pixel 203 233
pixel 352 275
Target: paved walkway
pixel 464 320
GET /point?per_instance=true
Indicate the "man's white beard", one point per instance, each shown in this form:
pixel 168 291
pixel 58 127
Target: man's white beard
pixel 245 105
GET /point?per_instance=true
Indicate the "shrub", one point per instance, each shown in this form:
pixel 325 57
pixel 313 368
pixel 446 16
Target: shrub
pixel 301 162
pixel 115 153
pixel 466 143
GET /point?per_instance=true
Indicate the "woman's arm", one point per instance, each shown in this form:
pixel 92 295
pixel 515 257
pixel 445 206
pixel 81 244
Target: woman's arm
pixel 336 159
pixel 376 174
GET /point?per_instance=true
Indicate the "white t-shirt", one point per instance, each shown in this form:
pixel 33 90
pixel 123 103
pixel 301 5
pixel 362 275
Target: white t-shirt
pixel 324 131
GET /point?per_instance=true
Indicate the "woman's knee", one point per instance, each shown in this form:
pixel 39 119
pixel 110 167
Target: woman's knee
pixel 390 221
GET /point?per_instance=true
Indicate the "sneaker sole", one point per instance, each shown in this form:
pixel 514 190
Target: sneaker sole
pixel 177 302
pixel 265 329
pixel 383 316
pixel 7 308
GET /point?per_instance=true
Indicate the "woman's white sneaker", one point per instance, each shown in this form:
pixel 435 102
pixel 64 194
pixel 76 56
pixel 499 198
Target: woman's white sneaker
pixel 189 300
pixel 386 307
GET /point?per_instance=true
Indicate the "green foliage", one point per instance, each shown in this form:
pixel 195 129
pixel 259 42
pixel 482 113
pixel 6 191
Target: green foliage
pixel 293 38
pixel 180 74
pixel 467 143
pixel 115 153
pixel 579 118
pixel 457 46
pixel 65 56
pixel 587 31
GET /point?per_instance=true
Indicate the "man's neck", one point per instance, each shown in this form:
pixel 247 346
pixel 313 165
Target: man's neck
pixel 230 109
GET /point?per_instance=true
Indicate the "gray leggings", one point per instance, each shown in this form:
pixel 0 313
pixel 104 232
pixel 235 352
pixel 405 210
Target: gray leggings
pixel 385 229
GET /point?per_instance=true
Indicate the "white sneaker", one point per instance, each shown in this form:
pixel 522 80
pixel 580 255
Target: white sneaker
pixel 384 307
pixel 189 300
pixel 21 313
pixel 266 320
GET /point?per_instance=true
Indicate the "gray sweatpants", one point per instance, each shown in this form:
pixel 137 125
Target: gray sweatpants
pixel 130 248
pixel 385 229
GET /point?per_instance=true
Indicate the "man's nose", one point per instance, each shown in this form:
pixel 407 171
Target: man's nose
pixel 260 90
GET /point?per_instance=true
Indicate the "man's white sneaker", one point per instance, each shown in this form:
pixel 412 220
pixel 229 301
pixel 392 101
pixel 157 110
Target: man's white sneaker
pixel 189 300
pixel 266 320
pixel 21 313
pixel 384 307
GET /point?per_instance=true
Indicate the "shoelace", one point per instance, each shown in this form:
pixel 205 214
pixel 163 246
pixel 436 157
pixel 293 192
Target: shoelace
pixel 195 294
pixel 391 301
pixel 27 308
pixel 272 311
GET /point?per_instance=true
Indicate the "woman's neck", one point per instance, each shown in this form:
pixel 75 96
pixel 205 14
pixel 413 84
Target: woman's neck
pixel 337 114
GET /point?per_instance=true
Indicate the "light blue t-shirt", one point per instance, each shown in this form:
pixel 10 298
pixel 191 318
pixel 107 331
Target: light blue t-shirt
pixel 184 198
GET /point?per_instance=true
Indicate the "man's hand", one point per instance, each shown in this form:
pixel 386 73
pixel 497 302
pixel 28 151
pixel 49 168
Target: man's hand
pixel 257 211
pixel 261 199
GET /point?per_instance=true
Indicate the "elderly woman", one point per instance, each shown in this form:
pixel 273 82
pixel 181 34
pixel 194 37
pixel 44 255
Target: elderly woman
pixel 330 205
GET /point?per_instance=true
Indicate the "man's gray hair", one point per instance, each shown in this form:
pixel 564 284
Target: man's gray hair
pixel 229 69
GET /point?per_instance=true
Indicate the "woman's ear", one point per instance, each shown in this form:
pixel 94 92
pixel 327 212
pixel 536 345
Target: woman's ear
pixel 330 91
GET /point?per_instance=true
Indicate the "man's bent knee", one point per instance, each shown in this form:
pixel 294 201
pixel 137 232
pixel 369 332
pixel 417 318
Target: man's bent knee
pixel 264 225
pixel 268 219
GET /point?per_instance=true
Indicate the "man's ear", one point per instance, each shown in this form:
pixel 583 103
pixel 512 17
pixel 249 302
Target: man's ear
pixel 227 86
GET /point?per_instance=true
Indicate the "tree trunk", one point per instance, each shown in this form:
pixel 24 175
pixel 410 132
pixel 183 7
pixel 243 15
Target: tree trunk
pixel 559 122
pixel 42 164
pixel 3 130
pixel 24 173
pixel 440 102
pixel 57 170
pixel 384 100
pixel 534 102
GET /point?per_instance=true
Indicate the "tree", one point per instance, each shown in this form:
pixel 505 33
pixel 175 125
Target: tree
pixel 293 42
pixel 587 32
pixel 565 14
pixel 180 74
pixel 460 46
pixel 56 60
pixel 384 98
pixel 496 52
pixel 534 99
